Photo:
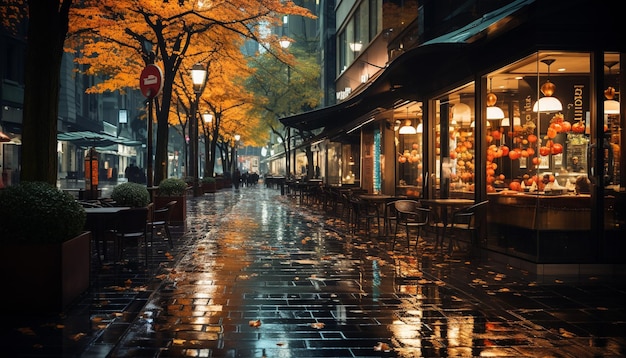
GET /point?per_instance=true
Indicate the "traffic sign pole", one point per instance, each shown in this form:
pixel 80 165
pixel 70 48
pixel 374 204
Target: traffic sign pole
pixel 151 85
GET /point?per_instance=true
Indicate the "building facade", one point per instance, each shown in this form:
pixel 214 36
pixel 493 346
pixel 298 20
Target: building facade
pixel 448 101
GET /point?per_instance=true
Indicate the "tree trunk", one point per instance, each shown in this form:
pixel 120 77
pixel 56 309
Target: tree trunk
pixel 48 22
pixel 162 115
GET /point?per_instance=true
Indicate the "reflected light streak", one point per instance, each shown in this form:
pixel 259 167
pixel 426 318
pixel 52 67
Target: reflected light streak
pixel 460 331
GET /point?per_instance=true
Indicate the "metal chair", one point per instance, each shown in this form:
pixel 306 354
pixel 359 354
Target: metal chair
pixel 160 219
pixel 130 224
pixel 410 214
pixel 365 213
pixel 467 220
pixel 391 215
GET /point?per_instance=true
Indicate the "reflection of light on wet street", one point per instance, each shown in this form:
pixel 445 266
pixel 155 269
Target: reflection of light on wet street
pixel 277 279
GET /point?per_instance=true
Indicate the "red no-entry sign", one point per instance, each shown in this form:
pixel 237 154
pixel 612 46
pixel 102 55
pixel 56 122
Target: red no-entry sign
pixel 151 81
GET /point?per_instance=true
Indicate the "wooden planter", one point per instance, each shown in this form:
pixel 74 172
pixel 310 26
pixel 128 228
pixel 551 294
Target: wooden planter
pixel 47 277
pixel 209 187
pixel 219 183
pixel 179 211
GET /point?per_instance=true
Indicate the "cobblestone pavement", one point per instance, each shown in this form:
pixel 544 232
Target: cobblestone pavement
pixel 258 274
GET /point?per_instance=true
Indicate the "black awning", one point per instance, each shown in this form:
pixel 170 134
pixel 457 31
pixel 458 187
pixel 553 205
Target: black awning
pixel 409 75
pixel 434 65
pixel 87 139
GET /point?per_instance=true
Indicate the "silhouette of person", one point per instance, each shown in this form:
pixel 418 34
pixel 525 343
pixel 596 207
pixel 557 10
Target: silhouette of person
pixel 236 178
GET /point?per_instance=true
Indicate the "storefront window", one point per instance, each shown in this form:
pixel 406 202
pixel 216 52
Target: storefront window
pixel 409 150
pixel 454 141
pixel 540 157
pixel 333 168
pixel 350 165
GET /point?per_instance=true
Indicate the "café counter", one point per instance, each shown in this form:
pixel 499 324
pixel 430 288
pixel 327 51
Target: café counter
pixel 540 228
pixel 539 211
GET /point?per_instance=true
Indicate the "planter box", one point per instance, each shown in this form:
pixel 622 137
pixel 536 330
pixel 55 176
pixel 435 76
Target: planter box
pixel 219 183
pixel 47 277
pixel 179 211
pixel 209 187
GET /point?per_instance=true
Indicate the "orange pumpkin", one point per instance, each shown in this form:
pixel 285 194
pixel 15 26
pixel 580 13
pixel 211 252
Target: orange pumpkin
pixel 515 154
pixel 516 186
pixel 578 127
pixel 505 150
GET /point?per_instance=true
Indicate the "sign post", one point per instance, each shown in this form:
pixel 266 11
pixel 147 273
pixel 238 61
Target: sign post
pixel 151 85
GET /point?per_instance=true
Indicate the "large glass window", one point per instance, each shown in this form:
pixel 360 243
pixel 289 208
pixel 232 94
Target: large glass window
pixel 360 29
pixel 541 155
pixel 454 143
pixel 409 150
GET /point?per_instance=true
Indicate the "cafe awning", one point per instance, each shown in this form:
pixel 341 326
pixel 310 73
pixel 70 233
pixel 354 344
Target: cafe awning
pixel 422 70
pixel 86 139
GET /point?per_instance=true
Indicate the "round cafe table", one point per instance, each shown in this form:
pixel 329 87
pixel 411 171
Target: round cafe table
pixel 443 208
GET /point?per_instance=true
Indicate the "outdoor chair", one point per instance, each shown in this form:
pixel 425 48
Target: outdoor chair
pixel 391 216
pixel 364 213
pixel 410 214
pixel 130 225
pixel 160 220
pixel 466 220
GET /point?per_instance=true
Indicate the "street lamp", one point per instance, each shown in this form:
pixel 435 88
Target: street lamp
pixel 198 78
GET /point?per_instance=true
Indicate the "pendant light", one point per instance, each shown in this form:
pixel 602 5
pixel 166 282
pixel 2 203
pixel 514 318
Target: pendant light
pixel 407 128
pixel 548 103
pixel 611 106
pixel 506 122
pixel 461 113
pixel 493 111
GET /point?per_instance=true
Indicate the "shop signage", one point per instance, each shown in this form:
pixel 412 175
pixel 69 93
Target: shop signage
pixel 341 95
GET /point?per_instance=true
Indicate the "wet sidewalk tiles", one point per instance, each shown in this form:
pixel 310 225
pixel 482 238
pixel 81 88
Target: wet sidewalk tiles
pixel 258 274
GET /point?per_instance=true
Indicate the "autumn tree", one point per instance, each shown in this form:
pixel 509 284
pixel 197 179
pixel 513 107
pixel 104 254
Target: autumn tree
pixel 112 36
pixel 283 89
pixel 230 103
pixel 224 97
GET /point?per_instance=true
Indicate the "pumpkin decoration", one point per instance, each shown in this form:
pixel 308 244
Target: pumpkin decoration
pixel 578 127
pixel 556 148
pixel 515 186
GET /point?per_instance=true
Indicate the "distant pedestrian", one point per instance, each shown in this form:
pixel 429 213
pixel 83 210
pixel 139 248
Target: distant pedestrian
pixel 133 173
pixel 236 178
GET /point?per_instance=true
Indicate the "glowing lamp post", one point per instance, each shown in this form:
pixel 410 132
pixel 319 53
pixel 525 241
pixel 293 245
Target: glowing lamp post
pixel 198 78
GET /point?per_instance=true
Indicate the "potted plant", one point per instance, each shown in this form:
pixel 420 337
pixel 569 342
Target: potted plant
pixel 209 185
pixel 173 189
pixel 130 194
pixel 47 252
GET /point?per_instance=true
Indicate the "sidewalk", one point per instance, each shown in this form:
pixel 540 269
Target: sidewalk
pixel 256 274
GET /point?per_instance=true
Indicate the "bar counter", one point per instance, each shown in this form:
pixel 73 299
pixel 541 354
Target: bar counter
pixel 538 211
